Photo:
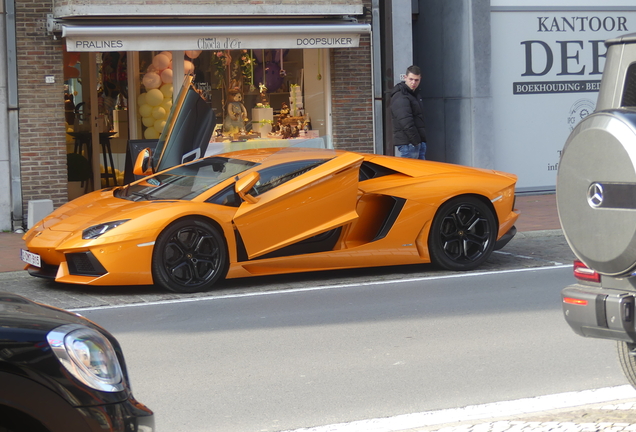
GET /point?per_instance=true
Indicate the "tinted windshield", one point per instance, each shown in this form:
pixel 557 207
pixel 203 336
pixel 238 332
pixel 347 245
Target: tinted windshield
pixel 187 181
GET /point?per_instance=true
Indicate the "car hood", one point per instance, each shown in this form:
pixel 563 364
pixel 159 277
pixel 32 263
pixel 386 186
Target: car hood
pixel 21 316
pixel 98 207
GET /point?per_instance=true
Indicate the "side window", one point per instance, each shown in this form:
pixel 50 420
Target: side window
pixel 629 88
pixel 227 197
pixel 275 176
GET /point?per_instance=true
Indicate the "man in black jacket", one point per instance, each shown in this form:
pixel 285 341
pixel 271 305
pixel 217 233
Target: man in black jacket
pixel 409 134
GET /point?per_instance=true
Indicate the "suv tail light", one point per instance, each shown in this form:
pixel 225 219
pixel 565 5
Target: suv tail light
pixel 584 273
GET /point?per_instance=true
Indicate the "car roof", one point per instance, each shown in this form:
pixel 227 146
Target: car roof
pixel 624 39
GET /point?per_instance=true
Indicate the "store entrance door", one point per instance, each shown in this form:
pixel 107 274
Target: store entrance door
pixel 94 90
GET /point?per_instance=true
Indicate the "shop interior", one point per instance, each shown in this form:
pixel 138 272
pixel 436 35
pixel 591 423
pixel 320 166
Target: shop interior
pixel 260 98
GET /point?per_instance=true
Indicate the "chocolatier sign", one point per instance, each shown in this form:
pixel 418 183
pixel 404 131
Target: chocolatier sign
pixel 183 38
pixel 547 62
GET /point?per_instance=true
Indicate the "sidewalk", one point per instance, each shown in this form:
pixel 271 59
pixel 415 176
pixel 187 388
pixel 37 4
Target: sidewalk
pixel 538 212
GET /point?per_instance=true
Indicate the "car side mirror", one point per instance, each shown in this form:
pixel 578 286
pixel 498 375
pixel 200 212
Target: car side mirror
pixel 143 164
pixel 245 184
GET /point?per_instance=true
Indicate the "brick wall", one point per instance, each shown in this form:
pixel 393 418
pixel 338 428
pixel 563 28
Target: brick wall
pixel 352 94
pixel 41 115
pixel 352 97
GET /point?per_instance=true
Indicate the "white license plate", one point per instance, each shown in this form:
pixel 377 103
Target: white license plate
pixel 31 258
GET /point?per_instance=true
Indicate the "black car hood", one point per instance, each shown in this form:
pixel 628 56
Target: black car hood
pixel 17 312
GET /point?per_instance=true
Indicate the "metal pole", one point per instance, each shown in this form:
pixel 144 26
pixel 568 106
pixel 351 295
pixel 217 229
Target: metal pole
pixel 12 111
pixel 376 69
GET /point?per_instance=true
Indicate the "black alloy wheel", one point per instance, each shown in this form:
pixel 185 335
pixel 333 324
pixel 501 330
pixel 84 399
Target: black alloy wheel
pixel 189 256
pixel 463 234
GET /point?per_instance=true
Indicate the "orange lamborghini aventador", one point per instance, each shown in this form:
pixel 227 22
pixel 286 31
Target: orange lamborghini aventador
pixel 270 211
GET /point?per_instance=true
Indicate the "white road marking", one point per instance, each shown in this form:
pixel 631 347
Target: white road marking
pixel 525 257
pixel 480 412
pixel 325 287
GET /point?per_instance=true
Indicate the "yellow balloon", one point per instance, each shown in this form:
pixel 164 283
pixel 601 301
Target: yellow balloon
pixel 166 104
pixel 148 121
pixel 158 112
pixel 151 133
pixel 145 110
pixel 166 90
pixel 154 97
pixel 141 99
pixel 159 125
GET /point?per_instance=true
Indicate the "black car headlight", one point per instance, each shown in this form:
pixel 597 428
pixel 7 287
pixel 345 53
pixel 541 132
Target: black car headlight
pixel 97 230
pixel 88 356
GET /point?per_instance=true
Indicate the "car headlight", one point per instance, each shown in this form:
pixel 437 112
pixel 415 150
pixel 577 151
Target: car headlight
pixel 97 230
pixel 88 356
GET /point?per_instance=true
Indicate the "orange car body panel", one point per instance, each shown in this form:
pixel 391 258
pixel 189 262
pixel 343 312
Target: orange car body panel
pixel 324 198
pixel 303 208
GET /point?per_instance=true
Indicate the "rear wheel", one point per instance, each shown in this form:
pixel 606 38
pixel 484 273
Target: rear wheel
pixel 189 256
pixel 626 352
pixel 463 234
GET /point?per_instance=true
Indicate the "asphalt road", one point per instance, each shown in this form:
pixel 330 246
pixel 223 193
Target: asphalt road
pixel 197 359
pixel 278 360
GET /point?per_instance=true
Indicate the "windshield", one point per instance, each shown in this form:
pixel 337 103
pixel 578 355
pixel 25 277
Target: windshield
pixel 187 181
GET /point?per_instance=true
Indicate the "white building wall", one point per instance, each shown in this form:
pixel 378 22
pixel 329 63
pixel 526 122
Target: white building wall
pixel 547 67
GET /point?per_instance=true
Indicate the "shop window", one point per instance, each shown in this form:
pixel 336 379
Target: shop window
pixel 254 93
pixel 259 97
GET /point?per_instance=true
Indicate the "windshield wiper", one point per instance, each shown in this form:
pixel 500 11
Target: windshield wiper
pixel 146 196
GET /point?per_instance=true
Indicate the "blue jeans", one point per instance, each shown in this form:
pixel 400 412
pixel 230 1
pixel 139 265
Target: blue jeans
pixel 413 151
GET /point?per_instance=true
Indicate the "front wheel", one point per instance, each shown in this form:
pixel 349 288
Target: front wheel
pixel 463 234
pixel 189 256
pixel 626 353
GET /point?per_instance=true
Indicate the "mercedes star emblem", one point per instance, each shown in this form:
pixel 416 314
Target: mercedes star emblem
pixel 595 195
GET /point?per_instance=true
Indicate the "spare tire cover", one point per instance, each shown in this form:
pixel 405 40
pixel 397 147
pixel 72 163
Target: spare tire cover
pixel 596 191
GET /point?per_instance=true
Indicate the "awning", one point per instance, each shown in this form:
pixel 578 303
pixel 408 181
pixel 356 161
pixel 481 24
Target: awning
pixel 211 37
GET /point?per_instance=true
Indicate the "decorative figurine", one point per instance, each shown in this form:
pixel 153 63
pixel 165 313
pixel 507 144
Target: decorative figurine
pixel 295 132
pixel 285 131
pixel 284 112
pixel 263 92
pixel 236 114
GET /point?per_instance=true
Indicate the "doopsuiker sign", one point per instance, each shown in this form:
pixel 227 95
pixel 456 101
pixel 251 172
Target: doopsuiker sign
pixel 546 74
